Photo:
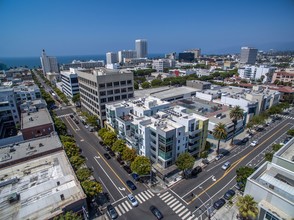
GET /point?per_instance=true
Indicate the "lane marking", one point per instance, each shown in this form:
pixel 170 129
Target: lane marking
pixel 118 211
pixel 106 188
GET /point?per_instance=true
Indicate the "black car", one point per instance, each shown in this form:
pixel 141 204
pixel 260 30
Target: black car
pixel 128 169
pixel 111 153
pixel 120 161
pixel 240 186
pixel 156 212
pixel 112 212
pixel 135 176
pixel 107 156
pixel 101 143
pixel 205 161
pixel 259 129
pixel 219 203
pixel 71 116
pixel 131 185
pixel 107 149
pixel 245 140
pixel 196 170
pixel 229 194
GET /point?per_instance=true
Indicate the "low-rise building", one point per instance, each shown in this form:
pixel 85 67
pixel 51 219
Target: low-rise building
pixel 161 64
pixel 197 84
pixel 286 76
pixel 91 64
pixel 25 93
pixel 264 73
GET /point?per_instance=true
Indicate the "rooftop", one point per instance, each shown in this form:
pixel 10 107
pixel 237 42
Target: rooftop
pixel 174 92
pixel 33 119
pixel 11 154
pixel 287 151
pixel 45 186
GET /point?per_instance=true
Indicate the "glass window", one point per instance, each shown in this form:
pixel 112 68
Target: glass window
pixel 123 83
pixel 116 83
pixel 117 97
pixel 102 85
pixel 110 99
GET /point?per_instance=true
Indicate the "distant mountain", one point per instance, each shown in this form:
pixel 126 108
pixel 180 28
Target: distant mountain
pixel 277 46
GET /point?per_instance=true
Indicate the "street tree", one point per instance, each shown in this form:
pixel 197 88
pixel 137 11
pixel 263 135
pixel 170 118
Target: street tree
pixel 71 149
pixel 290 132
pixel 219 132
pixel 64 139
pixel 136 85
pixel 101 133
pixel 156 82
pixel 109 138
pixel 243 173
pixel 68 216
pixel 145 85
pixel 204 154
pixel 236 113
pixel 92 120
pixel 119 146
pixel 129 155
pixel 141 165
pixel 83 174
pixel 276 147
pixel 76 161
pixel 268 156
pixel 247 207
pixel 91 188
pixel 185 161
pixel 76 98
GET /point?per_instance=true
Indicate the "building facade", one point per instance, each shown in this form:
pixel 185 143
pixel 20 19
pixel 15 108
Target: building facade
pixel 70 85
pixel 101 86
pixel 197 52
pixel 284 76
pixel 126 54
pixel 91 64
pixel 141 48
pixel 186 57
pixel 161 64
pixel 111 58
pixel 257 72
pixel 248 55
pixel 49 64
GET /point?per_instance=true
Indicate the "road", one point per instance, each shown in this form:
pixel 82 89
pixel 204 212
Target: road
pixel 176 202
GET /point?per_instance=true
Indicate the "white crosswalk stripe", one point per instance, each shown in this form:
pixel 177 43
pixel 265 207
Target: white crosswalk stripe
pixel 128 204
pixel 150 192
pixel 118 211
pixel 191 217
pixel 121 209
pixel 138 198
pixel 180 209
pixel 175 203
pixel 185 216
pixel 147 194
pixel 170 202
pixel 124 205
pixel 166 196
pixel 142 198
pixel 143 194
pixel 61 116
pixel 169 199
pixel 183 212
pixel 177 206
pixel 163 194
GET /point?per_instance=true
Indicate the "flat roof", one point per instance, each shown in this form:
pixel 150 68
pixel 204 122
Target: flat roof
pixel 287 151
pixel 33 119
pixel 46 186
pixel 174 92
pixel 14 152
pixel 146 92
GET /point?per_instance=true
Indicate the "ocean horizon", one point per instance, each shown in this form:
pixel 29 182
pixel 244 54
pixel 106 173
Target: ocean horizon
pixel 35 62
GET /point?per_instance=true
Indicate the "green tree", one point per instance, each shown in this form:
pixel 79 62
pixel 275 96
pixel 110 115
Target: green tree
pixel 276 147
pixel 119 146
pixel 92 120
pixel 136 85
pixel 219 132
pixel 76 161
pixel 243 173
pixel 101 132
pixel 156 82
pixel 185 161
pixel 71 149
pixel 236 114
pixel 145 85
pixel 83 174
pixel 109 138
pixel 59 126
pixel 204 154
pixel 141 165
pixel 91 188
pixel 76 98
pixel 247 207
pixel 290 132
pixel 64 138
pixel 129 155
pixel 268 156
pixel 68 216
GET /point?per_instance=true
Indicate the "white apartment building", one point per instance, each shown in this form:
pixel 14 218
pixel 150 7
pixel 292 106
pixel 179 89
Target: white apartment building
pixel 274 182
pixel 25 93
pixel 161 64
pixel 141 48
pixel 91 64
pixel 163 135
pixel 257 72
pixel 126 54
pixel 49 64
pixel 101 86
pixel 70 85
pixel 111 58
pixel 248 55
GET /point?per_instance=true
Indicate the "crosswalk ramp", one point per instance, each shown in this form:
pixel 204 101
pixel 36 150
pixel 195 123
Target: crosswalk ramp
pixel 173 202
pixel 126 206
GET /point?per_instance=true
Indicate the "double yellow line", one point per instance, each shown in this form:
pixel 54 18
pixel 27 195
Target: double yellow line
pixel 234 165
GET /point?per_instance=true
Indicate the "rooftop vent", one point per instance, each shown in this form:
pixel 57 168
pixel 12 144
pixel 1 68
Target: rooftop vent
pixel 62 197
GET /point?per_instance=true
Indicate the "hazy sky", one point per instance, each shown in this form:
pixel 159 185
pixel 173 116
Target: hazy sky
pixel 83 27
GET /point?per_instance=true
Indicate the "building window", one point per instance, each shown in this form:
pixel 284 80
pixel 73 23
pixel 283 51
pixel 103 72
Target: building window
pixel 123 90
pixel 102 86
pixel 123 96
pixel 102 107
pixel 116 83
pixel 130 89
pixel 109 84
pixel 117 97
pixel 129 82
pixel 103 100
pixel 116 91
pixel 109 92
pixel 130 95
pixel 102 93
pixel 110 99
pixel 123 83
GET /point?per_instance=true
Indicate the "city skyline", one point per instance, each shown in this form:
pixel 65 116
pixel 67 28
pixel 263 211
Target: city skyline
pixel 99 27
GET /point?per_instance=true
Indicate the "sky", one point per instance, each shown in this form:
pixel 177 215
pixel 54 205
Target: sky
pixel 86 27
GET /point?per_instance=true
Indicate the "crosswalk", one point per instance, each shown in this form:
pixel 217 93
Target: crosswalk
pixel 178 207
pixel 126 206
pixel 287 116
pixel 65 115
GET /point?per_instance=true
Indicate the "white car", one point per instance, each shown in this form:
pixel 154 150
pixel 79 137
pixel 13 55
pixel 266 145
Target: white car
pixel 133 200
pixel 218 157
pixel 254 143
pixel 226 165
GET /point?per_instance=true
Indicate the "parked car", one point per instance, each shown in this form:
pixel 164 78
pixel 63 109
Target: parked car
pixel 156 212
pixel 107 149
pixel 219 203
pixel 133 200
pixel 205 161
pixel 128 169
pixel 135 176
pixel 71 115
pixel 101 143
pixel 226 165
pixel 120 161
pixel 131 185
pixel 254 143
pixel 245 140
pixel 196 170
pixel 229 194
pixel 107 156
pixel 218 157
pixel 240 186
pixel 259 129
pixel 112 212
pixel 111 153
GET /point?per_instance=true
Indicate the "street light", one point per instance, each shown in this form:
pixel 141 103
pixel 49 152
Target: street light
pixel 209 208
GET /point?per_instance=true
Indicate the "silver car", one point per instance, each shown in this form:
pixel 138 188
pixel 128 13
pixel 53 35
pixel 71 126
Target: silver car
pixel 226 165
pixel 133 200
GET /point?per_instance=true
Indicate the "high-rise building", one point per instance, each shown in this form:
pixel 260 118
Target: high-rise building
pixel 49 64
pixel 141 48
pixel 186 57
pixel 111 58
pixel 69 79
pixel 197 52
pixel 126 54
pixel 101 86
pixel 248 55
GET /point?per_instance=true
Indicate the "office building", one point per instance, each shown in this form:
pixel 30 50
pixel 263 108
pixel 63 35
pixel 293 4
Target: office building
pixel 91 64
pixel 186 57
pixel 248 55
pixel 141 48
pixel 197 52
pixel 162 64
pixel 25 93
pixel 70 85
pixel 101 86
pixel 274 182
pixel 8 108
pixel 49 64
pixel 126 54
pixel 111 58
pixel 171 56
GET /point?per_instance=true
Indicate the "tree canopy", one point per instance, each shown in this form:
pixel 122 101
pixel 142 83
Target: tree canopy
pixel 119 146
pixel 129 155
pixel 219 132
pixel 109 138
pixel 83 174
pixel 76 161
pixel 141 165
pixel 91 188
pixel 243 173
pixel 290 132
pixel 185 161
pixel 247 207
pixel 68 216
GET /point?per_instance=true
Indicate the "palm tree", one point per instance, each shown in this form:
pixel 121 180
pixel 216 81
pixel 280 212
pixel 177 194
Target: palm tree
pixel 236 114
pixel 247 207
pixel 219 132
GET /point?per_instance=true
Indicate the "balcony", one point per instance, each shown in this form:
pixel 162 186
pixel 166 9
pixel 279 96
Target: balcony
pixel 193 133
